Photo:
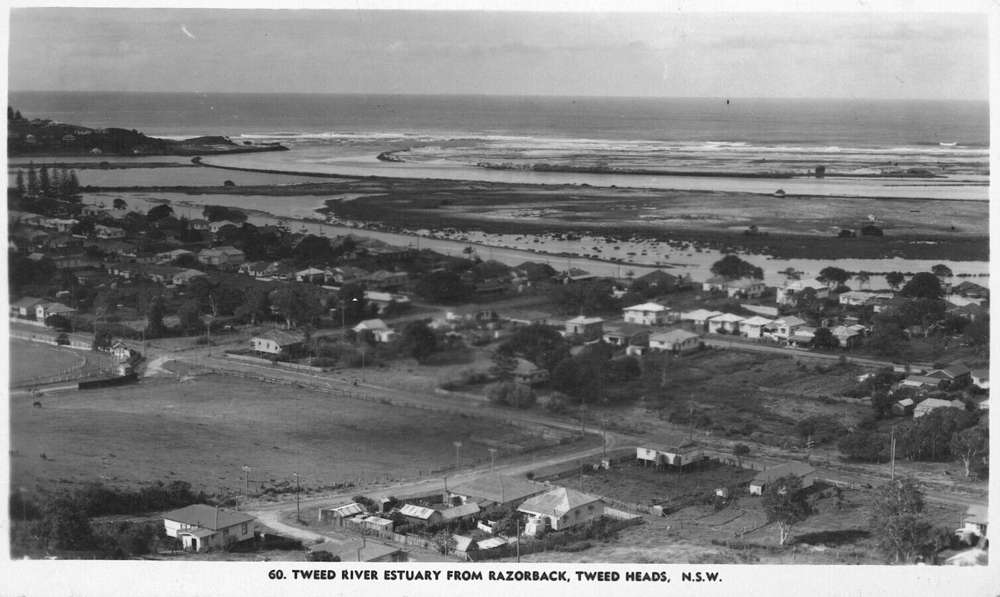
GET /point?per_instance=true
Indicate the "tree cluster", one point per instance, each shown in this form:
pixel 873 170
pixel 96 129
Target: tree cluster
pixel 732 267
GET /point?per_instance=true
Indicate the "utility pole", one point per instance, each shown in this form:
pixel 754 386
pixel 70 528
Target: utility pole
pixel 297 514
pixel 458 446
pixel 493 453
pixel 691 419
pixel 892 465
pixel 247 490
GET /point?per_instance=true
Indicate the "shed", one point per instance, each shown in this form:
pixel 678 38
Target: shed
pixel 339 513
pixel 414 513
pixel 799 469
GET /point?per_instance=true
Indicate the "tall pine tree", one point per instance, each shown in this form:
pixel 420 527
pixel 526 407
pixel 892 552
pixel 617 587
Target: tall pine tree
pixel 44 184
pixel 33 187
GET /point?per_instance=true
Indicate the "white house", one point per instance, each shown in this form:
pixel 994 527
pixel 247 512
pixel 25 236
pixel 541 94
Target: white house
pixel 200 527
pixel 857 298
pixel 646 314
pixel 788 295
pixel 492 489
pixel 216 226
pixel 698 318
pixel 745 288
pixel 671 449
pixel 377 327
pixel 101 231
pixel 675 341
pixel 563 508
pixel 981 378
pixel 274 341
pixel 529 373
pixel 785 327
pixel 585 326
pixel 930 404
pixel 799 469
pixel 976 520
pixel 754 327
pixel 726 323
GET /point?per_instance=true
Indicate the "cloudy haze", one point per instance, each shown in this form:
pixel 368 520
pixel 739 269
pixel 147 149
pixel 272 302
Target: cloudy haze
pixel 862 55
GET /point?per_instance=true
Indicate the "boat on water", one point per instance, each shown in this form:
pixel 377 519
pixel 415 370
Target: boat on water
pixel 943 144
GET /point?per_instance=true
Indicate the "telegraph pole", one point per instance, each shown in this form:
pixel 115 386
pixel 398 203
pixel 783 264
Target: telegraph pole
pixel 892 465
pixel 458 446
pixel 297 514
pixel 246 498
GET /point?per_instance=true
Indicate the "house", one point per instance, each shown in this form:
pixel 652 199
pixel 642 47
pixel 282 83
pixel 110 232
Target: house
pixel 362 550
pixel 162 274
pixel 954 374
pixel 26 307
pixel 464 545
pixel 493 489
pixel 698 319
pixel 589 327
pixel 745 288
pixel 574 274
pixel 802 337
pixel 848 336
pixel 628 334
pixel 856 298
pixel 799 469
pixel 726 323
pixel 785 327
pixel 345 274
pixel 460 512
pixel 529 273
pixel 419 514
pixel 903 407
pixel 676 341
pixel 214 227
pixel 377 327
pixel 168 256
pixel 256 269
pixel 563 508
pixel 340 513
pixel 981 378
pixel 383 280
pixel 275 341
pixel 200 527
pixel 661 280
pixel 222 256
pixel 183 278
pixel 976 520
pixel 384 299
pixel 529 373
pixel 109 232
pixel 646 314
pixel 520 317
pixel 310 274
pixel 669 449
pixel 930 404
pixel 714 283
pixel 922 382
pixel 200 225
pixel 46 309
pixel 754 327
pixel 790 293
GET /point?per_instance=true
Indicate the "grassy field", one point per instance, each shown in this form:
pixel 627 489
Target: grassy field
pixel 33 360
pixel 203 430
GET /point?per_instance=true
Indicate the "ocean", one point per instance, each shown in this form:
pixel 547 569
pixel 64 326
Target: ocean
pixel 761 122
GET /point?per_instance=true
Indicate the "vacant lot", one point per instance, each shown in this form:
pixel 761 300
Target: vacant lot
pixel 203 430
pixel 34 360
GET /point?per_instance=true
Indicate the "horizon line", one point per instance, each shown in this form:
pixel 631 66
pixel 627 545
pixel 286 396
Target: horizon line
pixel 498 95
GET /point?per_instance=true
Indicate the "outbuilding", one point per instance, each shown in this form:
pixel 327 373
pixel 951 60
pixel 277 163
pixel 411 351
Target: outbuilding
pixel 799 469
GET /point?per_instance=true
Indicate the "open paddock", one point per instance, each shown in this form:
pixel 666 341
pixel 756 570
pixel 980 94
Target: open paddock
pixel 204 429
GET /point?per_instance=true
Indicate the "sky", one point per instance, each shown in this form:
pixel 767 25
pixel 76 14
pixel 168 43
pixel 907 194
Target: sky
pixel 875 55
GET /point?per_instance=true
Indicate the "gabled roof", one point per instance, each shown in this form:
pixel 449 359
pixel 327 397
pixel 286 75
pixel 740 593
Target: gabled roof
pixel 371 324
pixel 654 307
pixel 669 442
pixel 281 337
pixel 346 510
pixel 627 329
pixel 349 550
pixel 658 277
pixel 525 367
pixel 799 469
pixel 757 320
pixel 956 370
pixel 414 511
pixel 700 314
pixel 978 514
pixel 673 336
pixel 557 502
pixel 791 321
pixel 209 517
pixel 464 543
pixel 497 488
pixel 467 509
pixel 727 318
pixel 932 403
pixel 581 320
pixel 27 302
